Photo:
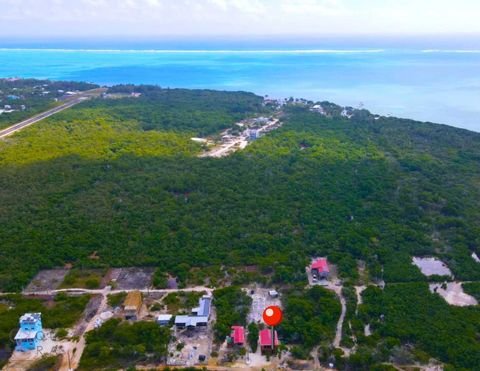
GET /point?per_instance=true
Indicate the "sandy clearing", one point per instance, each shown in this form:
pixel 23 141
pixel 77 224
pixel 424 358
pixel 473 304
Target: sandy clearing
pixel 453 294
pixel 432 266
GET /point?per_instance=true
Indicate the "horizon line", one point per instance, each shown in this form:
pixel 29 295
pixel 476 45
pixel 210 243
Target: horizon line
pixel 218 51
pixel 236 51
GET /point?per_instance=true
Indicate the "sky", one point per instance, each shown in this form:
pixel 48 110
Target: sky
pixel 171 18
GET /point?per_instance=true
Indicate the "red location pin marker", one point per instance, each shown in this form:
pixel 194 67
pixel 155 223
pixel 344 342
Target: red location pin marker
pixel 272 316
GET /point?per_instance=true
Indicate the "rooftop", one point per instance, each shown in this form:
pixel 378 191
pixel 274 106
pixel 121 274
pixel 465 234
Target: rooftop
pixel 204 306
pixel 238 334
pixel 133 301
pixel 321 265
pixel 266 338
pixel 190 320
pixel 25 335
pixel 31 317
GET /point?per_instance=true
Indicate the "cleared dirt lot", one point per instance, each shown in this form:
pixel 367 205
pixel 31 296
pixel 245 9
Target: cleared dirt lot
pixel 453 294
pixel 432 266
pixel 196 342
pixel 46 280
pixel 260 300
pixel 131 278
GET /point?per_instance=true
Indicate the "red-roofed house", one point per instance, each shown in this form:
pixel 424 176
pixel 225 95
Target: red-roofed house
pixel 320 269
pixel 238 336
pixel 265 340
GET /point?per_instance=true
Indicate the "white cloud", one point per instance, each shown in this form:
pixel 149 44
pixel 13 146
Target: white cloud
pixel 238 17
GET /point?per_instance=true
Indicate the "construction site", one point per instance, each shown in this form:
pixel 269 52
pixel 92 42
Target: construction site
pixel 127 295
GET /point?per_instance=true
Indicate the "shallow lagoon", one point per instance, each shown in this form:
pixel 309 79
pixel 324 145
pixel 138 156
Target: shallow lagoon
pixel 430 85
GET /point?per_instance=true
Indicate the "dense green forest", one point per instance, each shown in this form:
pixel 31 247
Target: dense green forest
pixel 310 318
pixel 200 112
pixel 381 191
pixel 472 288
pixel 121 345
pixel 408 313
pixel 121 177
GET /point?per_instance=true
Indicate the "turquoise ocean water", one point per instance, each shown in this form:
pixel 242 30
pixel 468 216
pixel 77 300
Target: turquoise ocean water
pixel 440 85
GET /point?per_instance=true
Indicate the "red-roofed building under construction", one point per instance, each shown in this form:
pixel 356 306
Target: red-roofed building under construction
pixel 320 269
pixel 265 340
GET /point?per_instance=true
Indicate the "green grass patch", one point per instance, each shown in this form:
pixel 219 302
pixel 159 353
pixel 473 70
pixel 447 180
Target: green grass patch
pixel 86 279
pixel 182 302
pixel 116 300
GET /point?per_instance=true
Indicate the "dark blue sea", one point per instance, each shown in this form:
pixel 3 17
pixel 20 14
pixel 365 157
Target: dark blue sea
pixel 430 84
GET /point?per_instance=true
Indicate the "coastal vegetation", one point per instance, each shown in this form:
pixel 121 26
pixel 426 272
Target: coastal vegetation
pixel 122 178
pixel 199 112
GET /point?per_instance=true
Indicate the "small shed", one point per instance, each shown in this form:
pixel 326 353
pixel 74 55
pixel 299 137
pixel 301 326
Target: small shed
pixel 273 293
pixel 237 336
pixel 164 319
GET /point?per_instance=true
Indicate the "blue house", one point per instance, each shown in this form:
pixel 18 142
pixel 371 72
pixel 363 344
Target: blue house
pixel 30 333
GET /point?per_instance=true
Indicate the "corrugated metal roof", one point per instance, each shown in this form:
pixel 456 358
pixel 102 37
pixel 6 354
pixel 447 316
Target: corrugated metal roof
pixel 31 317
pixel 205 304
pixel 266 338
pixel 321 265
pixel 238 334
pixel 190 320
pixel 204 307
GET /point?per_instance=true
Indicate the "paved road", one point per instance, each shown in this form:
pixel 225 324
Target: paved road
pixel 70 103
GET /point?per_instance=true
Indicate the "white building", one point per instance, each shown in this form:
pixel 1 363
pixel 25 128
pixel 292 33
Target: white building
pixel 164 319
pixel 318 108
pixel 199 317
pixel 273 293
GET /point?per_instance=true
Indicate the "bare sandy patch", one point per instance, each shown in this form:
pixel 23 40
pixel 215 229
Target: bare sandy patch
pixel 432 266
pixel 453 294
